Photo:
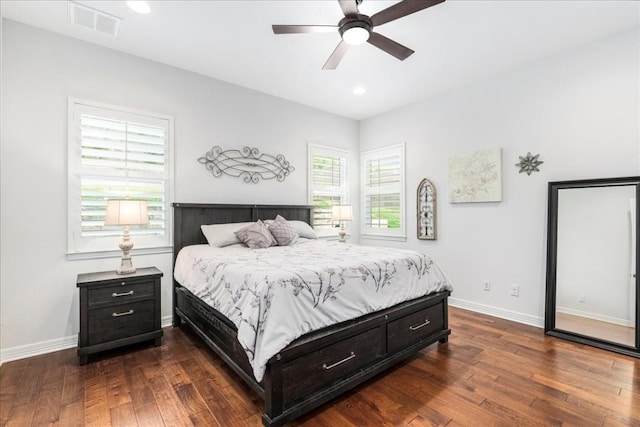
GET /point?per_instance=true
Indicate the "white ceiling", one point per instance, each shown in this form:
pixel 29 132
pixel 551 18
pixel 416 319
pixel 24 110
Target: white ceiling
pixel 456 43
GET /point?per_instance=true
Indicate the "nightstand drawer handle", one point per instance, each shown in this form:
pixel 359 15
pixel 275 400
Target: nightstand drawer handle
pixel 340 362
pixel 124 313
pixel 123 294
pixel 416 327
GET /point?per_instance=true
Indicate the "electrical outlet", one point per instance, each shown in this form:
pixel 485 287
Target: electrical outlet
pixel 515 290
pixel 487 285
pixel 581 298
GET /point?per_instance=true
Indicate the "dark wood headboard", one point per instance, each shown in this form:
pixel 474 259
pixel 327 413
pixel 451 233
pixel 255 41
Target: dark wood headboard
pixel 188 217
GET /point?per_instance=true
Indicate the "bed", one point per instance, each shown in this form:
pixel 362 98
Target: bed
pixel 319 365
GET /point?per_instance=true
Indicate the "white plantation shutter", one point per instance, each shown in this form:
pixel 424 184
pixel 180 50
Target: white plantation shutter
pixel 95 191
pixel 328 184
pixel 383 192
pixel 115 154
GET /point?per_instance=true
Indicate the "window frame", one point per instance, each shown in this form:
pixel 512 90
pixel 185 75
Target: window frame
pixel 398 234
pixel 343 192
pixel 79 247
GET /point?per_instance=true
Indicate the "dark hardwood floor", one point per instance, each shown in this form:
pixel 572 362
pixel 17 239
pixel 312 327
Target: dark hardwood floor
pixel 491 373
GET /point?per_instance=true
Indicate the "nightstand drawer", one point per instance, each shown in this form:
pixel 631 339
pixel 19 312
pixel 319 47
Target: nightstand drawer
pixel 414 327
pixel 120 293
pixel 120 321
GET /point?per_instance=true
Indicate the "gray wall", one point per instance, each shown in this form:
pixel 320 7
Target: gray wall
pixel 40 70
pixel 578 109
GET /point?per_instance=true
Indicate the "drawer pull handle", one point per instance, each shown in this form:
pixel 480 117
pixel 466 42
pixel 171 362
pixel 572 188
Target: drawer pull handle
pixel 416 327
pixel 124 313
pixel 340 362
pixel 122 294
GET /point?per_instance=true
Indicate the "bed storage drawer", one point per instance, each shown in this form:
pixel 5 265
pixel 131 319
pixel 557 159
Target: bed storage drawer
pixel 415 327
pixel 201 315
pixel 222 333
pixel 307 373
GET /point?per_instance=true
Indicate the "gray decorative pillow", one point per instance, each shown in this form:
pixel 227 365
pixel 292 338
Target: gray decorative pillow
pixel 283 231
pixel 256 235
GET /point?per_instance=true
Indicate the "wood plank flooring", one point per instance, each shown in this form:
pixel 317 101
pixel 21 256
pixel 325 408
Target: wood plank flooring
pixel 596 328
pixel 492 372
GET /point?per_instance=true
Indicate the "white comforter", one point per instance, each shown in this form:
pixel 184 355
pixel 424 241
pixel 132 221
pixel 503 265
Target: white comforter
pixel 276 295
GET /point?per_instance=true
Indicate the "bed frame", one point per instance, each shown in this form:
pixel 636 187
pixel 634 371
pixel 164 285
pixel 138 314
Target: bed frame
pixel 320 365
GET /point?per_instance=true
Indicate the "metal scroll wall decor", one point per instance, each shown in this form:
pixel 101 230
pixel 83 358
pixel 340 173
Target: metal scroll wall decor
pixel 426 210
pixel 248 164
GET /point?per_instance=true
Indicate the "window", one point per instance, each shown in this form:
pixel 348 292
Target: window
pixel 383 212
pixel 328 185
pixel 117 153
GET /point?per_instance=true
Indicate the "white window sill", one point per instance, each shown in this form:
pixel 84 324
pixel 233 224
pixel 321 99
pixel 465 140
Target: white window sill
pixel 382 237
pixel 332 236
pixel 75 256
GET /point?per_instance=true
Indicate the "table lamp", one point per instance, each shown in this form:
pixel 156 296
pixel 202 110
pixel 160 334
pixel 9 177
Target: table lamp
pixel 126 212
pixel 342 214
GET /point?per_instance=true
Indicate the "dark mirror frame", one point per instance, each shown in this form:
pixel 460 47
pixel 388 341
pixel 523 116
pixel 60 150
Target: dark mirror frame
pixel 552 240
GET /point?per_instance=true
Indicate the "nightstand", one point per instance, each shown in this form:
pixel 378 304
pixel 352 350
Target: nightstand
pixel 118 310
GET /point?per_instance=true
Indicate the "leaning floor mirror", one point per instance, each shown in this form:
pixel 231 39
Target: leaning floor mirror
pixel 592 286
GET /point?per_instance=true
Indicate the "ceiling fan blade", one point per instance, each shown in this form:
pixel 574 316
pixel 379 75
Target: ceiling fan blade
pixel 336 56
pixel 299 29
pixel 398 10
pixel 389 46
pixel 349 7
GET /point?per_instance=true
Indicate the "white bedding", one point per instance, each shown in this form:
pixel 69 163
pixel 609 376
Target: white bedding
pixel 277 294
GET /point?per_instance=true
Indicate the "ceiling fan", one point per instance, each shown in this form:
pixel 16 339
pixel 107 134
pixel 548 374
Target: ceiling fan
pixel 356 28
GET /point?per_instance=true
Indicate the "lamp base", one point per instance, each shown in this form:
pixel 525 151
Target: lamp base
pixel 341 235
pixel 126 269
pixel 126 266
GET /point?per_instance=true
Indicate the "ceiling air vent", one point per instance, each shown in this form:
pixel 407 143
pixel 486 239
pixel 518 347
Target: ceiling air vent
pixel 94 19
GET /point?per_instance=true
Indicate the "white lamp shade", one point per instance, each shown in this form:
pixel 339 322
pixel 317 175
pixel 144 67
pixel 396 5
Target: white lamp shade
pixel 342 213
pixel 126 212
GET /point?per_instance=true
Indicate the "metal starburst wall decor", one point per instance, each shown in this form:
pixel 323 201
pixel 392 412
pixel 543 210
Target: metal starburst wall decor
pixel 529 163
pixel 247 163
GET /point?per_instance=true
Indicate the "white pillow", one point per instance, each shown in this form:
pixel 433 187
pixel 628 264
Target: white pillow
pixel 303 229
pixel 221 235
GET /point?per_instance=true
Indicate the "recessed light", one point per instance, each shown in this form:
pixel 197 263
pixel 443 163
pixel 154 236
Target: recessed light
pixel 139 6
pixel 359 90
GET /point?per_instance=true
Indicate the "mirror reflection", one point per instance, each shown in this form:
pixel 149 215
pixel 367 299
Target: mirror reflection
pixel 595 270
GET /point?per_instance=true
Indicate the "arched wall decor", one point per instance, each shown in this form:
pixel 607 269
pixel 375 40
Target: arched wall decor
pixel 247 163
pixel 426 210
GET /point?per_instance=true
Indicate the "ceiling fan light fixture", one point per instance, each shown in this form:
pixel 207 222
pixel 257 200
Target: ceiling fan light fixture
pixel 355 36
pixel 139 6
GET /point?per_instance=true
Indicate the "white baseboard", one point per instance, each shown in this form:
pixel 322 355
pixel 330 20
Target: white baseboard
pixel 166 321
pixel 514 316
pixel 30 350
